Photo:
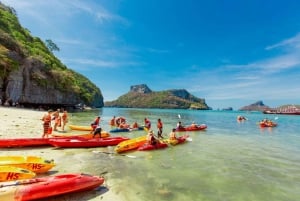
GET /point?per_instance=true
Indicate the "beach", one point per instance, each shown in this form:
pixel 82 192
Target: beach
pixel 23 123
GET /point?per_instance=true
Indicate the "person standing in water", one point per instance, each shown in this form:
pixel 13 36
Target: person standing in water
pixel 159 128
pixel 47 124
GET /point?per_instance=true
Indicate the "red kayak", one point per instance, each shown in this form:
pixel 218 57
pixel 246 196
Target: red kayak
pixel 148 147
pixel 192 128
pixel 267 124
pixel 29 142
pixel 86 143
pixel 44 187
pixel 23 142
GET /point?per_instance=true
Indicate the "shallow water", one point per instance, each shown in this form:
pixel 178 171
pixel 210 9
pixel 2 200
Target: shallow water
pixel 229 161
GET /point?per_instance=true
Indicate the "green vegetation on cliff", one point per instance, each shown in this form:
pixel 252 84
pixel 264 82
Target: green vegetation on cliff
pixel 172 99
pixel 17 45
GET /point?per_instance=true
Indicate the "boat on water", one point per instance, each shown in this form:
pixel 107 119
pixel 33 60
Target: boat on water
pixel 178 140
pixel 80 128
pixel 192 128
pixel 104 134
pixel 86 143
pixel 33 163
pixel 289 110
pixel 131 144
pixel 115 130
pixel 45 187
pixel 148 147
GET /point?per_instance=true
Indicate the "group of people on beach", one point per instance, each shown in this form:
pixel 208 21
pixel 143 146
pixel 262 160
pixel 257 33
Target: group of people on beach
pixel 56 119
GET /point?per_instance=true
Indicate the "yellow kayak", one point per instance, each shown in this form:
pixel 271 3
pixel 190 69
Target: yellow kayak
pixel 80 128
pixel 10 173
pixel 130 144
pixel 33 163
pixel 104 134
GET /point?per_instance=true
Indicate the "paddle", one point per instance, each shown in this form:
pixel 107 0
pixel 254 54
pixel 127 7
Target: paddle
pixel 19 182
pixel 129 156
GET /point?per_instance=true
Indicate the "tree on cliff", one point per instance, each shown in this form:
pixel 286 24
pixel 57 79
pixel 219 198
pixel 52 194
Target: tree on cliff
pixel 51 45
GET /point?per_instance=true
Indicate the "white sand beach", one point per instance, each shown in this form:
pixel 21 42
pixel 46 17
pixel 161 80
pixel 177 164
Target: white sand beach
pixel 22 123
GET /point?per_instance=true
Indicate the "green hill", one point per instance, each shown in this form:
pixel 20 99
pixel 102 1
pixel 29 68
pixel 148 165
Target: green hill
pixel 140 96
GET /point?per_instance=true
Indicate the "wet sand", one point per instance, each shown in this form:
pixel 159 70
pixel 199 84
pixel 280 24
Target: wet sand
pixel 22 123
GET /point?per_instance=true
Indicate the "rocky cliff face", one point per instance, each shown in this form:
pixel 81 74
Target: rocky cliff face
pixel 257 106
pixel 142 88
pixel 24 90
pixel 31 75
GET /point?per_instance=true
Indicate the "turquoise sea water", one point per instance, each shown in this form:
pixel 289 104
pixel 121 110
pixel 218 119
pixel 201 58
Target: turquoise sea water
pixel 230 161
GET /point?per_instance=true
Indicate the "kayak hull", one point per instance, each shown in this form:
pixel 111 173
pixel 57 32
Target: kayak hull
pixel 80 128
pixel 11 173
pixel 130 144
pixel 32 163
pixel 179 140
pixel 87 143
pixel 23 142
pixel 104 134
pixel 50 186
pixel 148 147
pixel 191 128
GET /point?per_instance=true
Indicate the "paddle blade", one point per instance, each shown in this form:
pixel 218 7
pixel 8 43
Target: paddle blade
pixel 179 116
pixel 189 139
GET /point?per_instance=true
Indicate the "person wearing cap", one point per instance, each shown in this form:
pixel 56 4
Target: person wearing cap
pixel 47 124
pixel 150 138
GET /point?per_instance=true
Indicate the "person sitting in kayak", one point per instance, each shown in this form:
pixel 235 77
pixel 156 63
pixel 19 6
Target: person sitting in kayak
pixel 135 125
pixel 179 125
pixel 241 118
pixel 194 125
pixel 172 135
pixel 151 139
pixel 124 125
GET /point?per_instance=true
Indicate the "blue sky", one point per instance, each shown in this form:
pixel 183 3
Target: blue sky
pixel 231 53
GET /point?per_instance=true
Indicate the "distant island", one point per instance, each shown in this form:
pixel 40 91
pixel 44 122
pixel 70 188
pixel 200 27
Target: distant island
pixel 141 96
pixel 283 109
pixel 257 106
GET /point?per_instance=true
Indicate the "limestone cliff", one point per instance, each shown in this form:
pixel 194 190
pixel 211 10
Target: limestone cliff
pixel 31 75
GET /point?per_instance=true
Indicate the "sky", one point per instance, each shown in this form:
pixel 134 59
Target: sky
pixel 231 53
